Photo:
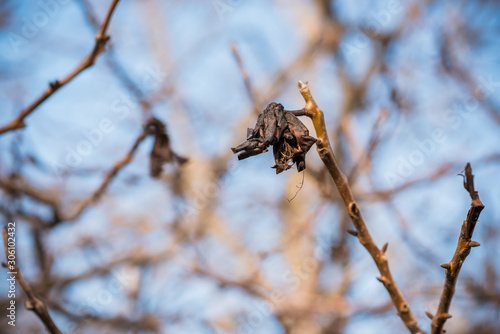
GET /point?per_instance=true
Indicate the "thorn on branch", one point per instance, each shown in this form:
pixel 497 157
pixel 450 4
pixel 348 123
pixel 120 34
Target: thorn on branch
pixel 384 281
pixel 384 247
pixel 102 39
pixel 474 244
pixel 281 129
pixel 55 85
pixel 445 265
pixel 353 232
pixel 429 315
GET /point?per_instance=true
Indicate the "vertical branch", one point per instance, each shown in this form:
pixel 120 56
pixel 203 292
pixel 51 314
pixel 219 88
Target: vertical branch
pixel 325 152
pixel 464 246
pixel 33 303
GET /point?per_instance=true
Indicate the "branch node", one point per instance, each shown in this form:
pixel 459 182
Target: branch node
pixel 102 38
pixel 404 308
pixel 302 85
pixel 353 210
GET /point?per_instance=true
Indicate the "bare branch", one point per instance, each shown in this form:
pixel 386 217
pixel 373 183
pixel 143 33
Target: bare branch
pixel 462 251
pixel 33 303
pixel 111 175
pixel 325 152
pixel 100 41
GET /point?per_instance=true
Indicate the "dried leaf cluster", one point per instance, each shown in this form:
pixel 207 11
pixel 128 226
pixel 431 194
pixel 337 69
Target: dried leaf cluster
pixel 281 129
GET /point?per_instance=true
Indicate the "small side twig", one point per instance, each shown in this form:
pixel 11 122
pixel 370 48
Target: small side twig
pixel 33 303
pixel 325 152
pixel 464 246
pixel 100 41
pixel 246 79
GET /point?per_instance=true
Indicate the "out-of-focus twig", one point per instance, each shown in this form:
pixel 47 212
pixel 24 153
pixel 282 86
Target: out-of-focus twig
pixel 246 79
pixel 100 42
pixel 111 174
pixel 15 186
pixel 325 152
pixel 464 246
pixel 366 157
pixel 33 303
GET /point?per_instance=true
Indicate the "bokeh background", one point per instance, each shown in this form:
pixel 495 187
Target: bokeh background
pixel 410 91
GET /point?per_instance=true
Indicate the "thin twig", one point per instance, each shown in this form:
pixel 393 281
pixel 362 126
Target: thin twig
pixel 366 156
pixel 246 79
pixel 326 154
pixel 100 41
pixel 24 188
pixel 33 303
pixel 464 246
pixel 110 175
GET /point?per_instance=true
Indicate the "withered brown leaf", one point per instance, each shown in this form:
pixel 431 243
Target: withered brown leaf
pixel 281 129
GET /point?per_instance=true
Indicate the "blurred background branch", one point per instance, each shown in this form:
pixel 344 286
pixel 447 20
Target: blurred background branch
pixel 409 92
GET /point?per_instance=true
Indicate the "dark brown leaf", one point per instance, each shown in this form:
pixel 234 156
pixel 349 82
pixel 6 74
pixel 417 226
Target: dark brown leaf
pixel 285 132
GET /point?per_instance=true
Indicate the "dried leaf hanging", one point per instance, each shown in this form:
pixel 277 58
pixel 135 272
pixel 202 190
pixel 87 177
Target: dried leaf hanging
pixel 161 152
pixel 285 132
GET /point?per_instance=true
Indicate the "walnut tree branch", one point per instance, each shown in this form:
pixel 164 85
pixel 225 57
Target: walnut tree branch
pixel 464 246
pixel 100 41
pixel 33 303
pixel 325 152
